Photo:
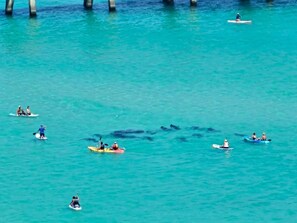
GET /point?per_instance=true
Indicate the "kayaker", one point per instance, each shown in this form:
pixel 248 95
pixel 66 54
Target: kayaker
pixel 115 146
pixel 263 138
pixel 41 130
pixel 226 144
pixel 238 17
pixel 28 110
pixel 101 145
pixel 254 137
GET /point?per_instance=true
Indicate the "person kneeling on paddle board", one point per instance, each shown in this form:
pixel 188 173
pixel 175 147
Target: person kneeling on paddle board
pixel 115 146
pixel 226 144
pixel 41 130
pixel 75 201
pixel 238 17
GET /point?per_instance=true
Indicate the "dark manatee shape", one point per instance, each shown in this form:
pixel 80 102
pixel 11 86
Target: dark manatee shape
pixel 195 128
pixel 98 135
pixel 165 128
pixel 238 134
pixel 90 139
pixel 148 138
pixel 175 127
pixel 182 139
pixel 212 130
pixel 197 135
pixel 150 132
pixel 123 136
pixel 129 131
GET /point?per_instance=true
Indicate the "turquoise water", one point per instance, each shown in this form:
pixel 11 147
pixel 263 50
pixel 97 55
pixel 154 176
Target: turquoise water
pixel 146 66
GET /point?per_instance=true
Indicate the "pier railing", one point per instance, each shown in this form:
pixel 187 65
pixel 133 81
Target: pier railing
pixel 88 4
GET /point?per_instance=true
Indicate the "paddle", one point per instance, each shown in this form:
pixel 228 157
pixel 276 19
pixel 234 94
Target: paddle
pixel 34 133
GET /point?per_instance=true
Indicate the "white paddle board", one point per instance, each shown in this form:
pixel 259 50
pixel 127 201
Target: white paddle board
pixel 24 116
pixel 216 146
pixel 76 208
pixel 240 21
pixel 37 135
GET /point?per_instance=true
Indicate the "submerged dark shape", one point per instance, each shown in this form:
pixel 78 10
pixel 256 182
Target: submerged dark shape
pixel 212 130
pixel 197 135
pixel 90 139
pixel 98 135
pixel 238 134
pixel 165 128
pixel 195 128
pixel 148 138
pixel 174 127
pixel 122 136
pixel 151 132
pixel 182 139
pixel 129 131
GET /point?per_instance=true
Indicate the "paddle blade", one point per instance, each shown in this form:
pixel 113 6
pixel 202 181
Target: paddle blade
pixel 34 133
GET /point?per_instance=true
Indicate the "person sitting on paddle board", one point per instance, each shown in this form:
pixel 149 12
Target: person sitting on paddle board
pixel 75 201
pixel 19 110
pixel 238 17
pixel 28 110
pixel 115 146
pixel 41 130
pixel 254 137
pixel 226 144
pixel 263 138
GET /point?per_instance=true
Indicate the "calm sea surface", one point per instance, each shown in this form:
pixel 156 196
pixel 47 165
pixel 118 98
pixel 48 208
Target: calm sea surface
pixel 149 65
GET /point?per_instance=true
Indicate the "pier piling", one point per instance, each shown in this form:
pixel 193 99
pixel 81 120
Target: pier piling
pixel 88 4
pixel 9 7
pixel 32 8
pixel 111 5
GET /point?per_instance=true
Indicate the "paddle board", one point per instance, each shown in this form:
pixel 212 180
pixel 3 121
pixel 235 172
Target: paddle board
pixel 37 135
pixel 240 21
pixel 216 146
pixel 24 116
pixel 76 208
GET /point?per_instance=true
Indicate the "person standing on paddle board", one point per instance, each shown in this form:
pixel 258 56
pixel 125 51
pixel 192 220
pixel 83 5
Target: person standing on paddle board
pixel 41 130
pixel 238 17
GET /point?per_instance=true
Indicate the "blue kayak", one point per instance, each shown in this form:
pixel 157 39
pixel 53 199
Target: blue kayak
pixel 256 141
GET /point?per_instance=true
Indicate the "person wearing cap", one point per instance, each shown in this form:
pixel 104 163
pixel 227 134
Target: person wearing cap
pixel 264 138
pixel 115 146
pixel 28 110
pixel 238 17
pixel 41 130
pixel 254 137
pixel 226 144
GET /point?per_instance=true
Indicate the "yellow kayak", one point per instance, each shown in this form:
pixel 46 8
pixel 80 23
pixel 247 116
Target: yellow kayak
pixel 106 150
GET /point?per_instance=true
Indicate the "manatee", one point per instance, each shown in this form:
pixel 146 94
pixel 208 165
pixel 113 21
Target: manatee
pixel 182 139
pixel 197 135
pixel 174 127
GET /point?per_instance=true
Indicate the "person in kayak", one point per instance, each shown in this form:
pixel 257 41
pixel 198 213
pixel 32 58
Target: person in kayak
pixel 115 146
pixel 238 17
pixel 254 137
pixel 28 110
pixel 226 144
pixel 101 145
pixel 41 130
pixel 263 138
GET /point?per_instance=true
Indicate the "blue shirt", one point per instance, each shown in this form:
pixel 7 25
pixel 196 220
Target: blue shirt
pixel 41 129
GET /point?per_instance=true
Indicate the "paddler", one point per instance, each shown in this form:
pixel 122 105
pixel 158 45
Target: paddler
pixel 41 130
pixel 19 110
pixel 263 138
pixel 238 17
pixel 28 110
pixel 75 201
pixel 254 137
pixel 226 144
pixel 115 146
pixel 101 145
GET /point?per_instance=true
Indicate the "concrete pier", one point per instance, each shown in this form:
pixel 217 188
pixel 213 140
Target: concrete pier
pixel 88 4
pixel 111 5
pixel 193 2
pixel 9 7
pixel 32 8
